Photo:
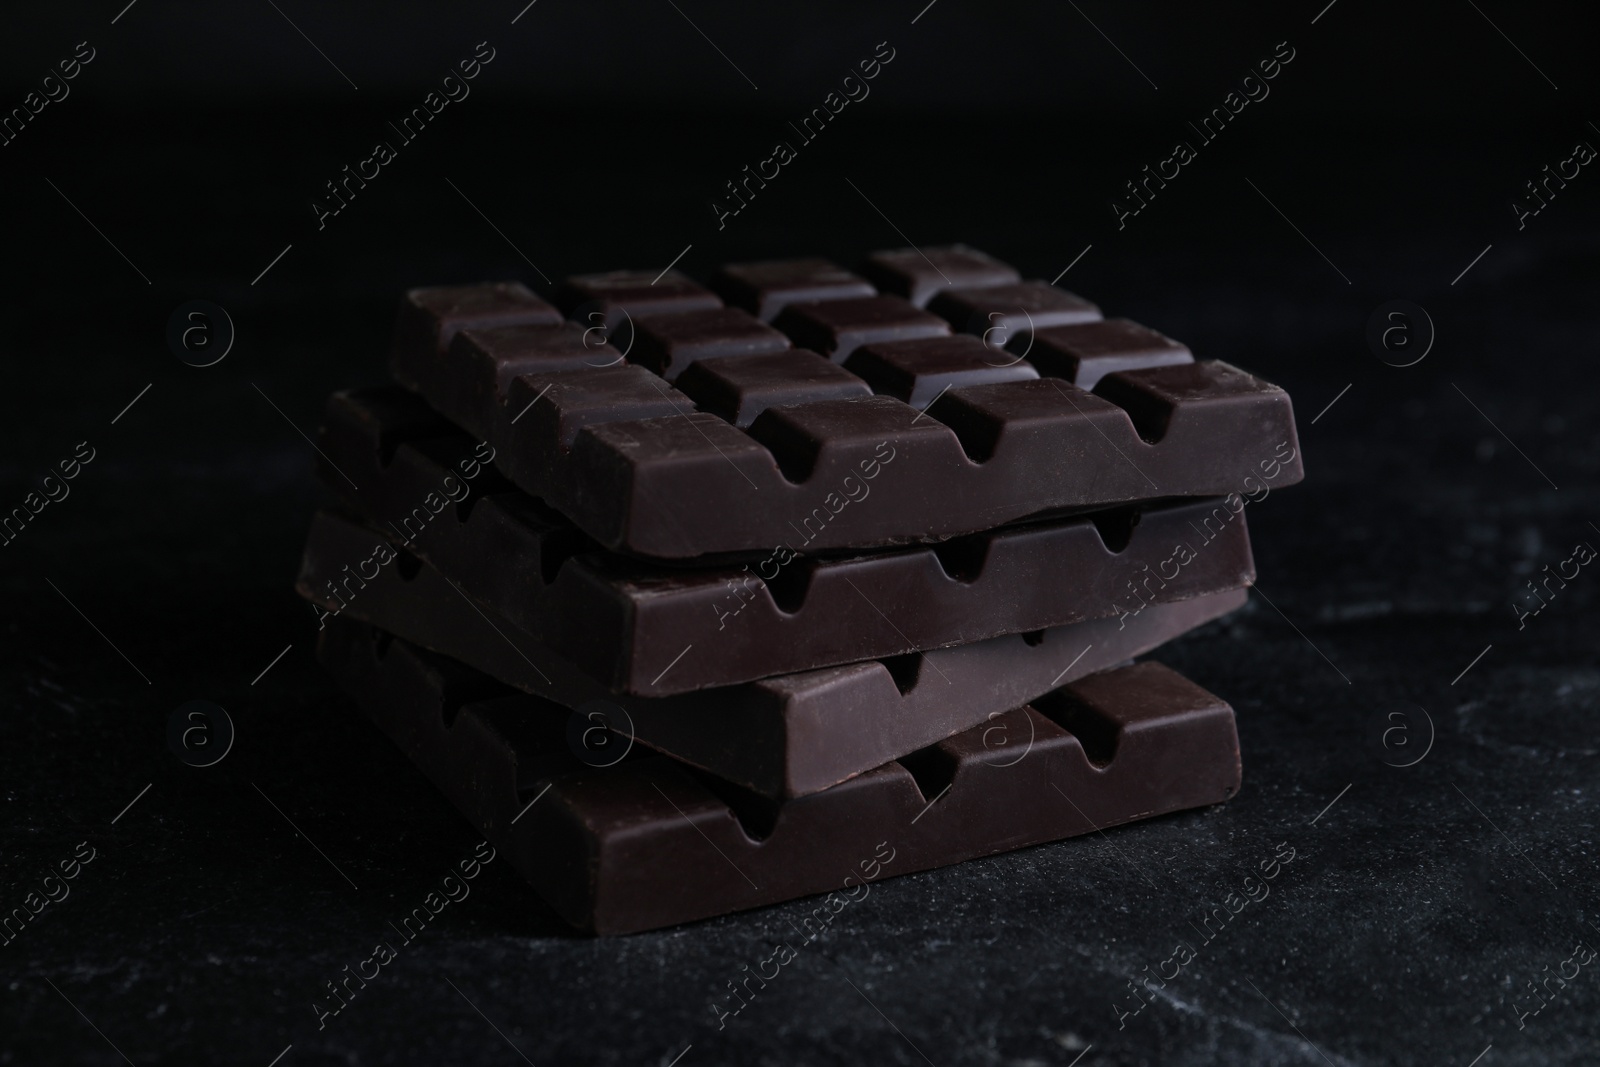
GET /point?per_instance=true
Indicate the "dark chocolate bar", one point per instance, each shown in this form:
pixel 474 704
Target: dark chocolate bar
pixel 786 736
pixel 648 842
pixel 626 622
pixel 767 457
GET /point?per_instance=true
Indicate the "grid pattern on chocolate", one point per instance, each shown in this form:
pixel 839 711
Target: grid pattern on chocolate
pixel 506 332
pixel 961 410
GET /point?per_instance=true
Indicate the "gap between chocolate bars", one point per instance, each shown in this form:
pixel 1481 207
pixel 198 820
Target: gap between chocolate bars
pixel 651 843
pixel 780 737
pixel 653 630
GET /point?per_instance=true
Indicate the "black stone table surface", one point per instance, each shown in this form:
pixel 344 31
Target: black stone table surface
pixel 1420 763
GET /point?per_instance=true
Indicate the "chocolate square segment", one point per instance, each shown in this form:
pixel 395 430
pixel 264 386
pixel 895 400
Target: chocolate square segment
pixel 999 313
pixel 767 287
pixel 431 318
pixel 739 388
pixel 667 344
pixel 507 352
pixel 918 371
pixel 836 328
pixel 556 407
pixel 608 299
pixel 638 482
pixel 919 274
pixel 483 363
pixel 1162 399
pixel 1087 352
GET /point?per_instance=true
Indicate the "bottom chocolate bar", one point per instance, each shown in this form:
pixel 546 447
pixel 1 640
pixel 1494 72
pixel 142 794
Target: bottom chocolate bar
pixel 650 842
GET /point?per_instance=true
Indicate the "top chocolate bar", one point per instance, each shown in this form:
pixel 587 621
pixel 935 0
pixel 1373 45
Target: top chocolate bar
pixel 667 423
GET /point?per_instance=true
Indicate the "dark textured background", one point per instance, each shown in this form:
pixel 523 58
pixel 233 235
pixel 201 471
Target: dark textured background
pixel 1417 906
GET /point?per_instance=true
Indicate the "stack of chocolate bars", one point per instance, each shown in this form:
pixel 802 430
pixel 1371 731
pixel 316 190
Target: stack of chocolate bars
pixel 699 598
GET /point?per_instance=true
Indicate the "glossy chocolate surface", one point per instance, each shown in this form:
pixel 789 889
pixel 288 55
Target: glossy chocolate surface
pixel 633 461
